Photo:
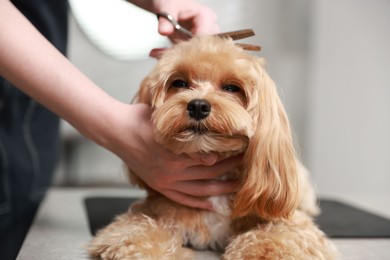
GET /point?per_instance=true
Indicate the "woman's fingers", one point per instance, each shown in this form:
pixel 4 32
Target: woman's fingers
pixel 205 188
pixel 195 193
pixel 204 172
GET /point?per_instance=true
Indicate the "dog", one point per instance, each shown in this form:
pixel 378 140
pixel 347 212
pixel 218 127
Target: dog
pixel 210 95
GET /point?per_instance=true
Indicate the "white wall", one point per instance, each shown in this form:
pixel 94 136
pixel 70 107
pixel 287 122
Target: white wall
pixel 348 111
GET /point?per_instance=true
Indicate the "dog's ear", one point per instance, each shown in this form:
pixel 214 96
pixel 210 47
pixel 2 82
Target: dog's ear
pixel 144 92
pixel 269 186
pixel 152 89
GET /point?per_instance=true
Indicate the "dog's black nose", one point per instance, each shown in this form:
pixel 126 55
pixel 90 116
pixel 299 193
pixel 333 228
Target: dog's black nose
pixel 198 109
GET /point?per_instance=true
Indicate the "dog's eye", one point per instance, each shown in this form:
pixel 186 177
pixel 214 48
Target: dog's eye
pixel 179 84
pixel 231 88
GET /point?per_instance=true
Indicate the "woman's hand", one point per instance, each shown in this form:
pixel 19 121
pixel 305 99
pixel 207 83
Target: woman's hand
pixel 186 179
pixel 196 17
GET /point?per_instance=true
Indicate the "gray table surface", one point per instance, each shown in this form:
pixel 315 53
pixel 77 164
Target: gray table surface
pixel 60 230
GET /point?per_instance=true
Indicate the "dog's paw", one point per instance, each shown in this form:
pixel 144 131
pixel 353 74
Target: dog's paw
pixel 294 238
pixel 138 237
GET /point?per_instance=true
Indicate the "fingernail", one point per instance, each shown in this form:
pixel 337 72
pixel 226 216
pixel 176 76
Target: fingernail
pixel 209 159
pixel 157 53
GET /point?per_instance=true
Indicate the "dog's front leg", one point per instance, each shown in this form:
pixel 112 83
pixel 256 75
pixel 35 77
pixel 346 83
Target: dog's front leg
pixel 294 238
pixel 138 237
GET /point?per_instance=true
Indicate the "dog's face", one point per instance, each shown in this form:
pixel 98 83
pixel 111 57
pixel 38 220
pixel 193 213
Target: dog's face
pixel 209 95
pixel 202 97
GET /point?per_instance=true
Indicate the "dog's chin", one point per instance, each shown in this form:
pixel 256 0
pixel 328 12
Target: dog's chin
pixel 194 140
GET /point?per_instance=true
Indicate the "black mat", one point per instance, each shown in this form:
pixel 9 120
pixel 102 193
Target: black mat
pixel 102 210
pixel 340 220
pixel 337 220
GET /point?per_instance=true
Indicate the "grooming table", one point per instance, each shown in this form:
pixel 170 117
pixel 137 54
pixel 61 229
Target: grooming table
pixel 63 226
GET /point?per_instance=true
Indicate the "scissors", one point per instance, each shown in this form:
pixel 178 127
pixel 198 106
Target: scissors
pixel 235 35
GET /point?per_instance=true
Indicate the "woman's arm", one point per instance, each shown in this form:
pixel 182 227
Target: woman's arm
pixel 30 62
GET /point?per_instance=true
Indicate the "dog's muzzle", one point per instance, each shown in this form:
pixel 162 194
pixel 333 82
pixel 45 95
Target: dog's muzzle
pixel 198 109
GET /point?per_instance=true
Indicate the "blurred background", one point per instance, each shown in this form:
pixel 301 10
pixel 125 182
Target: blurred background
pixel 329 59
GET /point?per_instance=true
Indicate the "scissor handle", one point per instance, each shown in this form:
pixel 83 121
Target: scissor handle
pixel 175 24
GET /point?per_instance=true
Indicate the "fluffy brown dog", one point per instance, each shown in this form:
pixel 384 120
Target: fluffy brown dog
pixel 209 95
